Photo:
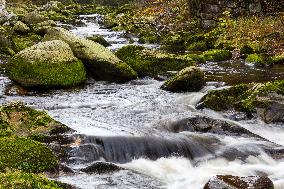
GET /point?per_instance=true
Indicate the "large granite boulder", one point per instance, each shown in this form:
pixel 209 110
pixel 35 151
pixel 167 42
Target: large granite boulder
pixel 46 65
pixel 100 62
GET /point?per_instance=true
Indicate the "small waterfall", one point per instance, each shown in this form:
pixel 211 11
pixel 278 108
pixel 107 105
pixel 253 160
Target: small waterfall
pixel 122 149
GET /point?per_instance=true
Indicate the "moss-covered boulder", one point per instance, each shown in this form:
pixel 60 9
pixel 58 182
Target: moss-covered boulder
pixel 42 27
pixel 100 62
pixel 188 79
pixel 21 28
pixel 26 154
pixel 217 55
pixel 18 119
pixel 265 99
pixel 100 40
pixel 152 63
pixel 276 59
pixel 46 65
pixel 19 179
pixel 34 17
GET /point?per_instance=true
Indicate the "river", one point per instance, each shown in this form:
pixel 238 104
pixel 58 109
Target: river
pixel 128 124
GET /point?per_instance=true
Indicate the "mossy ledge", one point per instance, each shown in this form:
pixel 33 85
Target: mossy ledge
pixel 19 179
pixel 46 65
pixel 242 97
pixel 21 120
pixel 26 154
pixel 152 63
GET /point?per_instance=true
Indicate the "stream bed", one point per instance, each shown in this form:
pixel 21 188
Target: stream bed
pixel 128 125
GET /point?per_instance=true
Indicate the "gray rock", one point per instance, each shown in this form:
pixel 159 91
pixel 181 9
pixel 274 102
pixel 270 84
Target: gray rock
pixel 270 108
pixel 235 182
pixel 255 7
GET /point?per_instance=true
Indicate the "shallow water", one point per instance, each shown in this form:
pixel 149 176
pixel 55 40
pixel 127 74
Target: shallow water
pixel 125 120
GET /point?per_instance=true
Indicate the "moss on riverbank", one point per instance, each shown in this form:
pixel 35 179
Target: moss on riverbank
pixel 152 63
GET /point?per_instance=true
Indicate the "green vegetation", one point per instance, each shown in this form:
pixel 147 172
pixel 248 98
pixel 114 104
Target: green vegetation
pixel 217 55
pixel 25 154
pixel 257 59
pixel 152 63
pixel 18 179
pixel 21 120
pixel 241 97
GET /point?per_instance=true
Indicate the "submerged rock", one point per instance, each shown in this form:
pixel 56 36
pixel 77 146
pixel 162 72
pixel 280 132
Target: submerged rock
pixel 101 168
pixel 205 124
pixel 148 62
pixel 100 62
pixel 46 65
pixel 235 182
pixel 188 79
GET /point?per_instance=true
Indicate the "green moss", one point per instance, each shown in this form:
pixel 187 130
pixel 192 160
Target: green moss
pixel 196 57
pixel 241 97
pixel 256 59
pixel 217 55
pixel 25 154
pixel 190 79
pixel 225 99
pixel 100 40
pixel 152 63
pixel 197 46
pixel 174 43
pixel 24 41
pixel 18 179
pixel 21 120
pixel 46 65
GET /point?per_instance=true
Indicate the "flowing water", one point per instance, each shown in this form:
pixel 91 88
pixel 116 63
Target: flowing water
pixel 132 125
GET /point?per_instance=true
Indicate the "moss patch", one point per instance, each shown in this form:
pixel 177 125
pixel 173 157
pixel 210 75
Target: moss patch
pixel 152 63
pixel 18 179
pixel 241 97
pixel 24 41
pixel 217 55
pixel 25 154
pixel 21 120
